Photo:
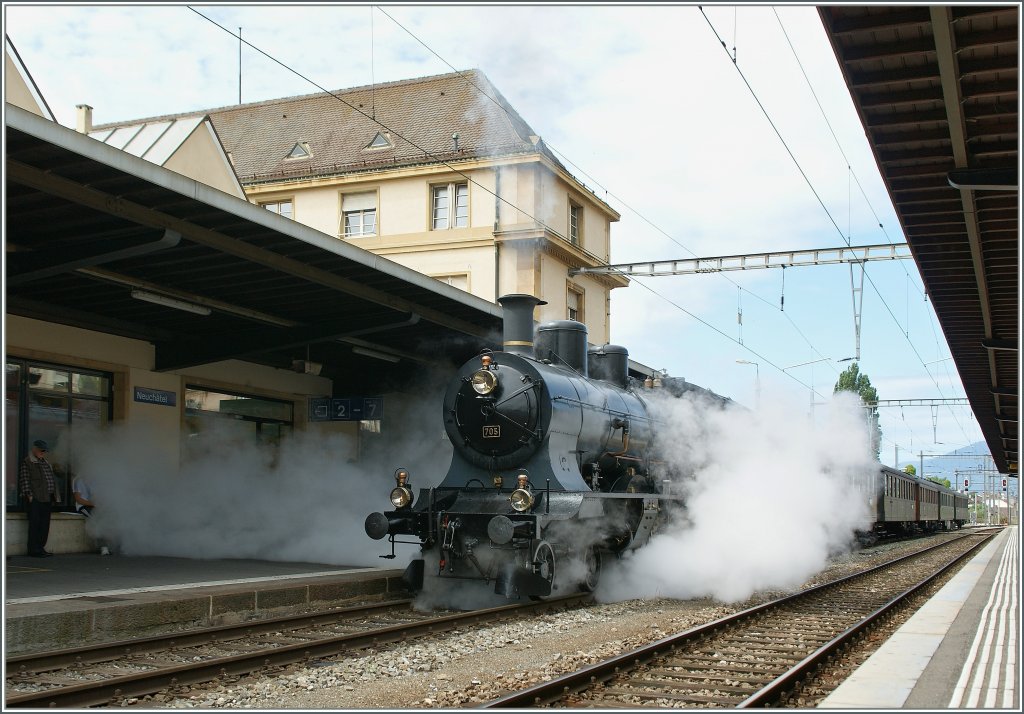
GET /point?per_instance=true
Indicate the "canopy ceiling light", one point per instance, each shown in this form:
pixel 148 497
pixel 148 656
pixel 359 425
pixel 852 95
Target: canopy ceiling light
pixel 170 302
pixel 376 355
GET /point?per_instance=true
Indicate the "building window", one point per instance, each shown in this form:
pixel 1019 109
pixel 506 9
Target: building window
pixel 359 214
pixel 300 151
pixel 283 208
pixel 575 223
pixel 456 280
pixel 450 206
pixel 215 416
pixel 574 303
pixel 380 141
pixel 59 404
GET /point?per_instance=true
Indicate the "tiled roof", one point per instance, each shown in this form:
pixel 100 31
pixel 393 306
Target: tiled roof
pixel 418 117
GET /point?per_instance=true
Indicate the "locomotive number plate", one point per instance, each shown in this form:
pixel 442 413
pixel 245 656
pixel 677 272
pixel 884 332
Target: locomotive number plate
pixel 492 432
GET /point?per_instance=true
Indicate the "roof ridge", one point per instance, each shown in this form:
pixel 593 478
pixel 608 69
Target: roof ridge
pixel 297 97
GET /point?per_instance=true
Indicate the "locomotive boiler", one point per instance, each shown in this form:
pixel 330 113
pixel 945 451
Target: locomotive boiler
pixel 551 471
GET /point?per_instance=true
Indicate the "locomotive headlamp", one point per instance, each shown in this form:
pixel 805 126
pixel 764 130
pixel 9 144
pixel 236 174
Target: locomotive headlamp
pixel 401 495
pixel 521 498
pixel 484 381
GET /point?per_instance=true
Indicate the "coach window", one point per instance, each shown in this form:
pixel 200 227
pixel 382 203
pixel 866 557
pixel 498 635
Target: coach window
pixel 216 416
pixel 55 403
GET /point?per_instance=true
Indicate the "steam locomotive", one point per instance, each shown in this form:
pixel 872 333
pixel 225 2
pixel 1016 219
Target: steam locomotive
pixel 552 469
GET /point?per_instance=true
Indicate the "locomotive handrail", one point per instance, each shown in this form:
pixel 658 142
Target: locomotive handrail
pixel 606 410
pixel 528 387
pixel 512 421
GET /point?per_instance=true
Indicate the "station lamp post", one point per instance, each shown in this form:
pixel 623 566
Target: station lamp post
pixel 757 381
pixel 812 362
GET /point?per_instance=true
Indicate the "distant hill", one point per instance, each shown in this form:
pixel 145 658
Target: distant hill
pixel 970 458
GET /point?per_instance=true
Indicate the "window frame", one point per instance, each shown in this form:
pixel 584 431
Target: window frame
pixel 21 428
pixel 278 202
pixel 572 288
pixel 343 223
pixel 451 206
pixel 443 277
pixel 574 234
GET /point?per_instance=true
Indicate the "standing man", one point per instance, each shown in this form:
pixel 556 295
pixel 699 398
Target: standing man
pixel 39 488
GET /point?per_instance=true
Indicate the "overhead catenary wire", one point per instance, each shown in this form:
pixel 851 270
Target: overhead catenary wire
pixel 567 160
pixel 828 213
pixel 921 290
pixel 563 157
pixel 500 199
pixel 384 126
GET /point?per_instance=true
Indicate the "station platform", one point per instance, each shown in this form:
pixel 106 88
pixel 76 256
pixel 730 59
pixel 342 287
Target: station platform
pixel 959 651
pixel 78 599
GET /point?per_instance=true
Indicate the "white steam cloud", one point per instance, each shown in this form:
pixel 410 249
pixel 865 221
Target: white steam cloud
pixel 769 497
pixel 304 500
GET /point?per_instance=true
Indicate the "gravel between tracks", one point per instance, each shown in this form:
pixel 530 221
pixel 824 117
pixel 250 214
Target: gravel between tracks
pixel 477 664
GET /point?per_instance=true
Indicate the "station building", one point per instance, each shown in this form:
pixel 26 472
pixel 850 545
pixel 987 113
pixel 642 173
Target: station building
pixel 163 301
pixel 439 174
pixel 257 271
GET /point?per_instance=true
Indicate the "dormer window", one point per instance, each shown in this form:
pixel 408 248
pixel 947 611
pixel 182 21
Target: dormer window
pixel 300 151
pixel 379 142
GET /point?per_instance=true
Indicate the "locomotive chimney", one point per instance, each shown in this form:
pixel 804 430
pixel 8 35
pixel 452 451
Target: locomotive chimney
pixel 517 317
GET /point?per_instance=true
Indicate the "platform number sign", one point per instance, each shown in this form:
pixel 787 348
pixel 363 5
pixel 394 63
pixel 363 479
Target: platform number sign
pixel 346 408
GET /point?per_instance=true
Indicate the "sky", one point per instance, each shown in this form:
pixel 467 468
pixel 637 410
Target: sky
pixel 702 156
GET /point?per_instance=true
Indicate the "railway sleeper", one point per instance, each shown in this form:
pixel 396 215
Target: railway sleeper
pixel 717 655
pixel 693 685
pixel 715 664
pixel 734 677
pixel 604 704
pixel 749 643
pixel 675 697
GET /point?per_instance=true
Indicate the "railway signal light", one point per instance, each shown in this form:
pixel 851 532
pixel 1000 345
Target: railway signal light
pixel 1004 483
pixel 967 482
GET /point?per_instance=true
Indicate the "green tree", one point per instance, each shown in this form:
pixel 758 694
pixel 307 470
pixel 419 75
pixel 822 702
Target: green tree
pixel 853 380
pixel 941 481
pixel 909 469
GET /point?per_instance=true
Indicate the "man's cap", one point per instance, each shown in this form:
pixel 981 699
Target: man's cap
pixel 41 445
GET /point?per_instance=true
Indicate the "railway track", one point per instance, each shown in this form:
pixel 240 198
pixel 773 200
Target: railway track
pixel 107 673
pixel 753 658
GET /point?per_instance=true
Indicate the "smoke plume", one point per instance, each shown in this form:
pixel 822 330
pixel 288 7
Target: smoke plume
pixel 768 498
pixel 303 500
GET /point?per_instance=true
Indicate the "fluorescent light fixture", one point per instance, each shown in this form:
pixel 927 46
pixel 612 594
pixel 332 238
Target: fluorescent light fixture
pixel 170 302
pixel 376 355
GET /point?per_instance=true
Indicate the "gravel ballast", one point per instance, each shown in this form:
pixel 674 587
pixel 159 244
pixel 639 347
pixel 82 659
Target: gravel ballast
pixel 471 665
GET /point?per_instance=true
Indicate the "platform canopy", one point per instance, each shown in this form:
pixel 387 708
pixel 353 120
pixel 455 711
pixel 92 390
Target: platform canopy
pixel 102 240
pixel 937 92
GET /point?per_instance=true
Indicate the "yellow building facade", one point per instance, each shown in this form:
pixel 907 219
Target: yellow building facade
pixel 438 174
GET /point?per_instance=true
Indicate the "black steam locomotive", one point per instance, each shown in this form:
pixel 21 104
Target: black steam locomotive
pixel 552 468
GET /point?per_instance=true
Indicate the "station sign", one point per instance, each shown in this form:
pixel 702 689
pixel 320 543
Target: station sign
pixel 155 396
pixel 346 408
